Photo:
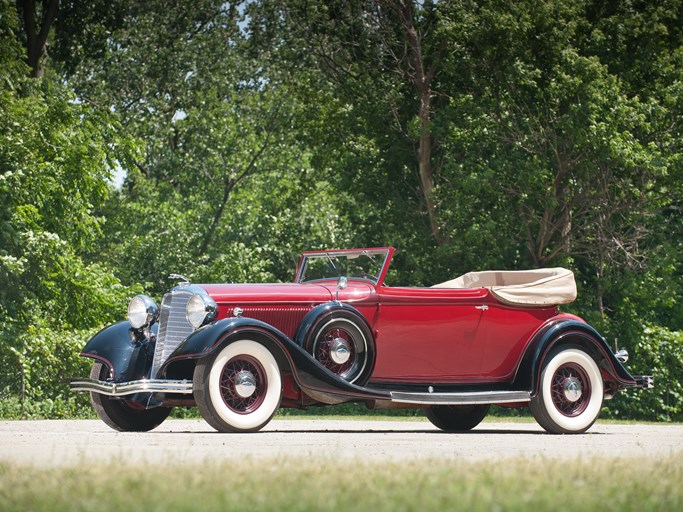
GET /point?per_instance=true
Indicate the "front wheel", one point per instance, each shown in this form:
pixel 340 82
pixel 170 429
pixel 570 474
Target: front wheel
pixel 570 393
pixel 124 415
pixel 239 388
pixel 457 418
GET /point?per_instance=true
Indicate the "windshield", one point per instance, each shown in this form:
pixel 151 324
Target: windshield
pixel 355 263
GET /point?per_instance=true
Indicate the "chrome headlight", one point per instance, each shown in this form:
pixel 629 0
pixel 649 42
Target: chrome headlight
pixel 201 309
pixel 142 311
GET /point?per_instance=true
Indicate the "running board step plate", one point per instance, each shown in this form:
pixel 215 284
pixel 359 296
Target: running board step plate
pixel 471 398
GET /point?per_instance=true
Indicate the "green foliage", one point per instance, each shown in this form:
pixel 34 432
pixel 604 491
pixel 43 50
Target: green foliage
pixel 56 155
pixel 36 372
pixel 658 352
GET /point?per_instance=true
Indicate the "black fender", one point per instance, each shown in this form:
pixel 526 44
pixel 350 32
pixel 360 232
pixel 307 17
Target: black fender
pixel 574 332
pixel 315 380
pixel 314 321
pixel 124 350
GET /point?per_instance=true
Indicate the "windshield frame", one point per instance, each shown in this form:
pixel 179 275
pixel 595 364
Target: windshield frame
pixel 385 253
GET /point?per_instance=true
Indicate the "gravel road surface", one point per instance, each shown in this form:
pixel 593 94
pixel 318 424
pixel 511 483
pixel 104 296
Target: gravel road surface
pixel 74 443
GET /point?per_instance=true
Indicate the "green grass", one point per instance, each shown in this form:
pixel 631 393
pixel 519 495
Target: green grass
pixel 286 484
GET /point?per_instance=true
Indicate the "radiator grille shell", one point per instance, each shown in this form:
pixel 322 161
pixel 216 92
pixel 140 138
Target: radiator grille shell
pixel 173 327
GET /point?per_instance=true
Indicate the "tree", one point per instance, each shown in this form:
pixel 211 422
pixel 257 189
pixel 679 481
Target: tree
pixel 220 134
pixel 56 156
pixel 382 61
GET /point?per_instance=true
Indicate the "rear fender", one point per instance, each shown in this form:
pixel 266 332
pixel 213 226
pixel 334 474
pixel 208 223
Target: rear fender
pixel 124 350
pixel 568 332
pixel 315 380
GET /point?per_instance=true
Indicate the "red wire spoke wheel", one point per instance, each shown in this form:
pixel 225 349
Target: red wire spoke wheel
pixel 238 389
pixel 343 344
pixel 243 384
pixel 570 394
pixel 336 351
pixel 571 390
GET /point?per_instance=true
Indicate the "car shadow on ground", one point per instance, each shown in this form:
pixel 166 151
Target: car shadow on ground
pixel 377 432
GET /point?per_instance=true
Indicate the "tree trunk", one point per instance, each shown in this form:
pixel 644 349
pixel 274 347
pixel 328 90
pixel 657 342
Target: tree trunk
pixel 425 166
pixel 422 80
pixel 36 40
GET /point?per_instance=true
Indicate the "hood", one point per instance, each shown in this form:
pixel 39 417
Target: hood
pixel 308 293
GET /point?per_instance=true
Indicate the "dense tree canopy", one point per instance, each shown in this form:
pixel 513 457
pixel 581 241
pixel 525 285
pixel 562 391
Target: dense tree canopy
pixel 469 135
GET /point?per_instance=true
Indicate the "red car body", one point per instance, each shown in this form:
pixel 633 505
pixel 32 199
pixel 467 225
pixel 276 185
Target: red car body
pixel 331 338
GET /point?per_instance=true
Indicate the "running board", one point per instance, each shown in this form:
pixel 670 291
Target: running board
pixel 471 398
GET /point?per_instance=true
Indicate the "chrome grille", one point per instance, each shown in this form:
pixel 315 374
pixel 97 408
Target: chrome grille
pixel 173 327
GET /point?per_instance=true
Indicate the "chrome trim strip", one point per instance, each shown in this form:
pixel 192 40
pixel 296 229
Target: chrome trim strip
pixel 468 398
pixel 130 388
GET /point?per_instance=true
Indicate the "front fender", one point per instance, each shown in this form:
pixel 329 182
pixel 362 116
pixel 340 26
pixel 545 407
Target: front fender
pixel 313 378
pixel 568 331
pixel 122 349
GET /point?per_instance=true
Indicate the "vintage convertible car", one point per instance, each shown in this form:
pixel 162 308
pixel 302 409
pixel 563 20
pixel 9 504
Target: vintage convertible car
pixel 338 334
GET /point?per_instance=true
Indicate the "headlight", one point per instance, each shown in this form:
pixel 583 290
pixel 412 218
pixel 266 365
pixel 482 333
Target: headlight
pixel 142 311
pixel 201 309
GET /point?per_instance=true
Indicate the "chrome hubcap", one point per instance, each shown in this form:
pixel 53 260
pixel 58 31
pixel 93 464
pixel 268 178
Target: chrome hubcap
pixel 245 384
pixel 339 350
pixel 572 389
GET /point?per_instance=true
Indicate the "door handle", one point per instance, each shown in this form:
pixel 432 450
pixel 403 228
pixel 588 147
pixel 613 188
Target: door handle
pixel 483 307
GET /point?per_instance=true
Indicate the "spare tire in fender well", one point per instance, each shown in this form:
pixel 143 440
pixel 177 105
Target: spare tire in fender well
pixel 340 338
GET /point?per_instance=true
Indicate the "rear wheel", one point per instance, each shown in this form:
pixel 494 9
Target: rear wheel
pixel 239 388
pixel 457 418
pixel 124 415
pixel 570 392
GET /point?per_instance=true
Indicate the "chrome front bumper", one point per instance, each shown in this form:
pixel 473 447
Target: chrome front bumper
pixel 133 387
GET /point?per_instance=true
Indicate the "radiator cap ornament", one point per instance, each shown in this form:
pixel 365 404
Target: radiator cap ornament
pixel 184 281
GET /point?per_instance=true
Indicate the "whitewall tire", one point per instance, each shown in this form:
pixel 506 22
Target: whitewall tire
pixel 239 388
pixel 570 392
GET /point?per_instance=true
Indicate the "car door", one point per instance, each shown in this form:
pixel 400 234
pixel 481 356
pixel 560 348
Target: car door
pixel 430 335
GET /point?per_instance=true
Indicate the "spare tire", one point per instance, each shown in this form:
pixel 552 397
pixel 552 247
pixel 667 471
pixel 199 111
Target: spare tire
pixel 341 340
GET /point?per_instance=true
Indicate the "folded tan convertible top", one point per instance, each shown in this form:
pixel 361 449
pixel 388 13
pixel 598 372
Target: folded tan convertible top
pixel 541 287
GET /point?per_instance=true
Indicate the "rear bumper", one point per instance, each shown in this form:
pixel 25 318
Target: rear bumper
pixel 644 381
pixel 133 387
